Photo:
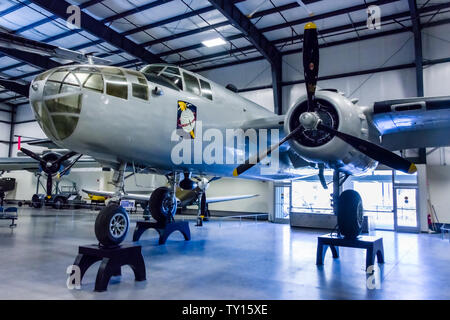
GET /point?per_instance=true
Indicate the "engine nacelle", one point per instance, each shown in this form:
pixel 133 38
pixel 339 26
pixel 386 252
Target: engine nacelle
pixel 317 146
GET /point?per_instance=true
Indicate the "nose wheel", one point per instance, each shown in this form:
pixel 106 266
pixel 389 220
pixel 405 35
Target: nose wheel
pixel 111 225
pixel 350 214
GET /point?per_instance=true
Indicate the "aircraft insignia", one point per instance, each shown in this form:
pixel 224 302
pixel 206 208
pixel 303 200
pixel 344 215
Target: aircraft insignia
pixel 187 116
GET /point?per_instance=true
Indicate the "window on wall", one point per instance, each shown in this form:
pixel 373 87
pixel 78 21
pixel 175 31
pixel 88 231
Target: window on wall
pixel 308 195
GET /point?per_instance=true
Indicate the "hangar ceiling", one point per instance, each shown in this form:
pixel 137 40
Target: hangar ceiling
pixel 132 33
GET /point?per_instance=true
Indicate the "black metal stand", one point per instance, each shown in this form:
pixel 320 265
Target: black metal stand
pixel 164 229
pixel 373 246
pixel 112 261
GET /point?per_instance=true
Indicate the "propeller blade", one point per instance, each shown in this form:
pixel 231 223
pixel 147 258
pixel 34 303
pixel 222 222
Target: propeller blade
pixel 374 151
pixel 311 62
pixel 65 157
pixel 49 184
pixel 33 155
pixel 249 163
pixel 203 205
pixel 62 173
pixel 213 179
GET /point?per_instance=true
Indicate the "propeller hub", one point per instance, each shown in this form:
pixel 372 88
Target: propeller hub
pixel 203 184
pixel 309 120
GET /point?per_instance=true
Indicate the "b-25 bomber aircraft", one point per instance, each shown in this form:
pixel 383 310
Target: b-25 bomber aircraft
pixel 150 117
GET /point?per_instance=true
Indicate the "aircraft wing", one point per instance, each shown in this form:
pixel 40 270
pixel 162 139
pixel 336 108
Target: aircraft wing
pixel 109 194
pixel 413 123
pixel 26 163
pixel 43 143
pixel 229 198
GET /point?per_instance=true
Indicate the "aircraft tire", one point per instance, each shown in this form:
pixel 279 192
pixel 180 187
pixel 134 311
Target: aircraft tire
pixel 111 225
pixel 36 201
pixel 350 214
pixel 161 207
pixel 58 203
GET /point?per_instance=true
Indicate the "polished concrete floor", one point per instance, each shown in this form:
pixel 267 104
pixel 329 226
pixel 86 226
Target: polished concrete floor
pixel 224 260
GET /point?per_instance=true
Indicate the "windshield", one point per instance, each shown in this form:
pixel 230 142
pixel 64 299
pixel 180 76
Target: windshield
pixel 167 76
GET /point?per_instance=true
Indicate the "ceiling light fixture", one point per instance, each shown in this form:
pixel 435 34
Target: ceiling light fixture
pixel 213 42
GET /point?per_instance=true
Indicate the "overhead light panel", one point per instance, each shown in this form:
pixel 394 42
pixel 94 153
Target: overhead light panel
pixel 214 42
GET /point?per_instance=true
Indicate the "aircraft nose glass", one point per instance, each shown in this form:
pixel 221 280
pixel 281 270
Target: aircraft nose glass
pixel 59 109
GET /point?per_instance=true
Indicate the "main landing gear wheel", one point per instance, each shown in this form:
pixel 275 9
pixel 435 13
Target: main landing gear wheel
pixel 36 201
pixel 350 214
pixel 111 225
pixel 163 205
pixel 59 203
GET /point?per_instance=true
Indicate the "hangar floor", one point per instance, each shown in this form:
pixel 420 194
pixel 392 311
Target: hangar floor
pixel 228 260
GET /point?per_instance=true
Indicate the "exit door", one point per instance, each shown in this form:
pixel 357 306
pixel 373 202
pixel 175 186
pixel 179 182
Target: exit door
pixel 405 209
pixel 282 202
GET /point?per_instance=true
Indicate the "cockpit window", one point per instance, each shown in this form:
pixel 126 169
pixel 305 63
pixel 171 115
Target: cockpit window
pixel 61 106
pixel 172 70
pixel 206 89
pixel 90 78
pixel 152 69
pixel 140 89
pixel 94 82
pixel 167 80
pixel 116 83
pixel 191 82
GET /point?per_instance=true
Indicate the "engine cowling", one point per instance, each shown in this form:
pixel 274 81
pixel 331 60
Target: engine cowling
pixel 317 146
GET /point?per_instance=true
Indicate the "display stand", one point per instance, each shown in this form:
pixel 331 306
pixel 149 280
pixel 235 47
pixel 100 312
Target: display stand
pixel 112 261
pixel 373 246
pixel 164 229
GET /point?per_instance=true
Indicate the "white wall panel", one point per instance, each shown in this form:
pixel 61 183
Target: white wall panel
pixel 439 188
pixel 436 42
pixel 356 56
pixel 261 97
pixel 437 79
pixel 253 74
pixel 368 88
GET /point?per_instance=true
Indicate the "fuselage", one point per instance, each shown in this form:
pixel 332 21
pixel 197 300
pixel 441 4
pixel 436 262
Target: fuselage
pixel 117 115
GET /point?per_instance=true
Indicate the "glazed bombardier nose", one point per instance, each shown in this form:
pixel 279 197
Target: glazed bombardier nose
pixel 56 99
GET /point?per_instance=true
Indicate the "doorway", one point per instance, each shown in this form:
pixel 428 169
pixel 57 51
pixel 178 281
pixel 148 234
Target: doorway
pixel 282 202
pixel 405 209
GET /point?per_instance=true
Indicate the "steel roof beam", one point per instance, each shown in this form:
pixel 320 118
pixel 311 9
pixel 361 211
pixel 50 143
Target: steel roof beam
pixel 322 33
pixel 224 23
pixel 417 29
pixel 98 29
pixel 22 89
pixel 174 19
pixel 283 25
pixel 262 44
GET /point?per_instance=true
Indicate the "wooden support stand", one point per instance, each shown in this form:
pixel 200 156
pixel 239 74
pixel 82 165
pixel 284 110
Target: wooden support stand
pixel 373 246
pixel 112 261
pixel 164 230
